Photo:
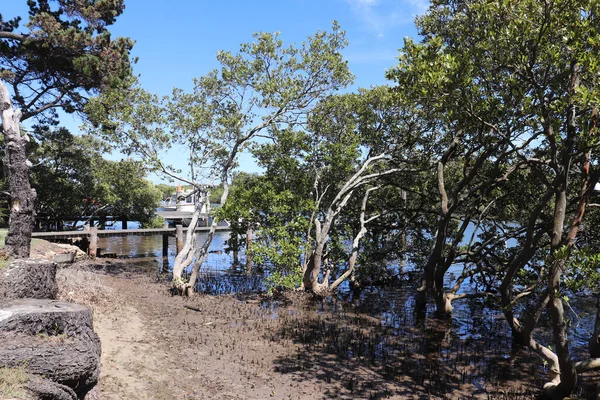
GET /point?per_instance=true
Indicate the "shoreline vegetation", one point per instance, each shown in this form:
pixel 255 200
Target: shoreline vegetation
pixel 158 346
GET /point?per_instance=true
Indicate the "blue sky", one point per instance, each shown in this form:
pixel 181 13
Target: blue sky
pixel 177 40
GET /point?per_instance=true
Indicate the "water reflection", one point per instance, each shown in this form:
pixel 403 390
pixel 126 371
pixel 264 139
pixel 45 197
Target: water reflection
pixel 151 247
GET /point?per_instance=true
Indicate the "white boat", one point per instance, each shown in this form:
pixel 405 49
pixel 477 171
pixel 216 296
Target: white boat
pixel 181 205
pixel 185 200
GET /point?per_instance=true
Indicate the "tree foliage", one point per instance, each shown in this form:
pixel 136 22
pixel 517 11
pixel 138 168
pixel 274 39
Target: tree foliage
pixel 73 180
pixel 63 51
pixel 61 56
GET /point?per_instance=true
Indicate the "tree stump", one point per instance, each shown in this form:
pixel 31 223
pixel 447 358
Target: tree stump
pixel 28 278
pixel 52 339
pixel 46 389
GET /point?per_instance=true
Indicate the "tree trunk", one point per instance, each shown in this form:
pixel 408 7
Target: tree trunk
pixel 313 268
pixel 443 302
pixel 184 257
pixel 16 170
pixel 124 222
pixel 568 374
pixel 357 239
pixel 429 272
pixel 27 336
pixel 202 252
pixel 28 278
pixel 249 233
pixel 594 342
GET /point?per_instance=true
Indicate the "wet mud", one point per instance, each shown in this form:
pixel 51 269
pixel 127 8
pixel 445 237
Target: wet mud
pixel 232 341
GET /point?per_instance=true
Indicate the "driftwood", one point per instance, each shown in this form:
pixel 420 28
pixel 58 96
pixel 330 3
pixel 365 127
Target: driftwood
pixel 28 278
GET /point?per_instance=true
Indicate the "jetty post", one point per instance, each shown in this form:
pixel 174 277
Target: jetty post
pixel 179 237
pixel 165 245
pixel 93 248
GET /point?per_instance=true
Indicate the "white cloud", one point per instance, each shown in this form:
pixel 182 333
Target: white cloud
pixel 382 15
pixel 371 55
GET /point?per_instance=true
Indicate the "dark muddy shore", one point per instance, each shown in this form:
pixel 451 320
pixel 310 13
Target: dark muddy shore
pixel 158 346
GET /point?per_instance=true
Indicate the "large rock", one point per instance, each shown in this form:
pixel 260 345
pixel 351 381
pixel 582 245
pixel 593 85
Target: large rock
pixel 28 278
pixel 52 339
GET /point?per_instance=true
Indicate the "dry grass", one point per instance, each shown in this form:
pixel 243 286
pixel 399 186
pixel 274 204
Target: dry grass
pixel 78 285
pixel 12 381
pixel 5 258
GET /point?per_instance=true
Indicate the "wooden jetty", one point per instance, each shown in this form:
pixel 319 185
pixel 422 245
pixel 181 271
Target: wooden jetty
pixel 92 234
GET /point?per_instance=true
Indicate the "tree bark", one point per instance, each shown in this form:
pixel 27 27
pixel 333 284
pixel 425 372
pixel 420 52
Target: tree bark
pixel 28 278
pixel 594 343
pixel 16 169
pixel 53 339
pixel 249 233
pixel 184 257
pixel 310 280
pixel 357 239
pixel 46 389
pixel 313 268
pixel 202 252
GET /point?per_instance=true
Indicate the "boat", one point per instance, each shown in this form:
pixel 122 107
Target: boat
pixel 180 206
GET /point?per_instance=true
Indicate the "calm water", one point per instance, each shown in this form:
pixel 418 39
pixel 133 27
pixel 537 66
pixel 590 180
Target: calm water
pixel 150 247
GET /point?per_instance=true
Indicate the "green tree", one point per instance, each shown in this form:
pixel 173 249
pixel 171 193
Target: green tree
pixel 315 179
pixel 124 193
pixel 73 180
pixel 265 84
pixel 63 54
pixel 520 80
pixel 63 173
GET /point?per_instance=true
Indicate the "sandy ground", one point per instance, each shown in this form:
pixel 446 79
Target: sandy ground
pixel 156 346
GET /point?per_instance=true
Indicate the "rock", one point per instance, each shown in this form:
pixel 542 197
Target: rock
pixel 28 278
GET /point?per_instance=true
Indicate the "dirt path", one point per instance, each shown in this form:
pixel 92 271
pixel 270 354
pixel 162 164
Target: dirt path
pixel 160 347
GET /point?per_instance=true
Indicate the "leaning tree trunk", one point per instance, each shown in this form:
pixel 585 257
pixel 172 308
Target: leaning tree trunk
pixel 185 256
pixel 202 252
pixel 16 170
pixel 310 280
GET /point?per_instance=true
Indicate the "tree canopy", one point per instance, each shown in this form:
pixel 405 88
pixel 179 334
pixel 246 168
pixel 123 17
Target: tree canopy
pixel 63 54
